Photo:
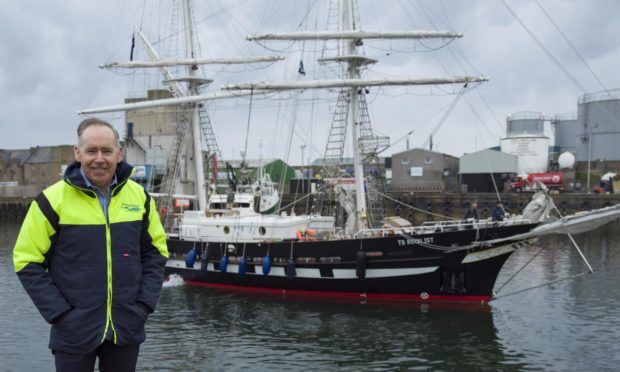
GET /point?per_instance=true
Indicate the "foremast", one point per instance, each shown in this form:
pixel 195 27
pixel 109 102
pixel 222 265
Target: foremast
pixel 354 60
pixel 189 95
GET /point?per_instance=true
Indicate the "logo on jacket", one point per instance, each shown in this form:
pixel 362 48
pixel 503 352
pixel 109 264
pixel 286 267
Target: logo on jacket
pixel 131 207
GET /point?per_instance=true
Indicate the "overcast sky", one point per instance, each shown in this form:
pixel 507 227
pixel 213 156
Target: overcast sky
pixel 50 51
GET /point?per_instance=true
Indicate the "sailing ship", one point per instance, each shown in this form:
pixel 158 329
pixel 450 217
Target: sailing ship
pixel 310 255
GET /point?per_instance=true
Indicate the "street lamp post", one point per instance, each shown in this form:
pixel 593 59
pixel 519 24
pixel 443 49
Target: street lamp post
pixel 589 154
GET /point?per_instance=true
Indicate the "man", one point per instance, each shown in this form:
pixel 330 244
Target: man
pixel 498 213
pixel 91 255
pixel 472 212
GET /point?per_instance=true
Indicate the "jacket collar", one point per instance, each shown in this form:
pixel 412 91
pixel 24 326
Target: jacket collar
pixel 74 177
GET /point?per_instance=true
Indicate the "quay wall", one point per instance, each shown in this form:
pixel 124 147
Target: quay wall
pixel 14 202
pixel 14 207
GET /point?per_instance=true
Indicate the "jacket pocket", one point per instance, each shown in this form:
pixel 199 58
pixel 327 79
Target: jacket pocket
pixel 80 331
pixel 129 321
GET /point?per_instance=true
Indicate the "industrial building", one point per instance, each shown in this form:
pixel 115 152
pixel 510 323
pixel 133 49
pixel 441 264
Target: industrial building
pixel 149 137
pixel 479 171
pixel 420 170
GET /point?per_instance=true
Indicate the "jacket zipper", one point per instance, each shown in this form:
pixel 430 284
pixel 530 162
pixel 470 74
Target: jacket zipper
pixel 109 322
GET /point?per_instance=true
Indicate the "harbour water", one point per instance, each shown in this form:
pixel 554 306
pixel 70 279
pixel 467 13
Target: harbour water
pixel 568 325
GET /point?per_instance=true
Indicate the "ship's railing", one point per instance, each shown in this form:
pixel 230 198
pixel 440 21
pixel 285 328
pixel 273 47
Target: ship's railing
pixel 440 226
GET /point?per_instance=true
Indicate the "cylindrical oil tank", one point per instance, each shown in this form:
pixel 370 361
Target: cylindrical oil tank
pixel 565 130
pixel 532 152
pixel 525 122
pixel 598 126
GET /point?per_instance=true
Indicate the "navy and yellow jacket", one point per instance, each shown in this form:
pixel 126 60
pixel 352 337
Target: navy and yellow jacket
pixel 90 276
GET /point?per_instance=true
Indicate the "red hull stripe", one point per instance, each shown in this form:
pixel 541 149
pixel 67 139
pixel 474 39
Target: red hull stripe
pixel 423 297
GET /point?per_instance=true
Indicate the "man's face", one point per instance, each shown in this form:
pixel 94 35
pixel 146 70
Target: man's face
pixel 99 154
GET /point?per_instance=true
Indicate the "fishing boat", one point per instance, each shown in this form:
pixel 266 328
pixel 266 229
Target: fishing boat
pixel 367 258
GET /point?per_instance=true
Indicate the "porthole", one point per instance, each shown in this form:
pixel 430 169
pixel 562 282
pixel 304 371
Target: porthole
pixel 262 230
pixel 226 230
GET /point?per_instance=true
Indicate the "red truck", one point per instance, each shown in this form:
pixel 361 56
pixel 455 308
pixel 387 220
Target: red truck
pixel 553 180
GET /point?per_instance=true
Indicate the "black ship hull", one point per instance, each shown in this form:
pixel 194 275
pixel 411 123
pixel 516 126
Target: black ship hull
pixel 459 266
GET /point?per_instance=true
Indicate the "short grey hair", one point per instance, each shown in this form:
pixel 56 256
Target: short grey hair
pixel 99 122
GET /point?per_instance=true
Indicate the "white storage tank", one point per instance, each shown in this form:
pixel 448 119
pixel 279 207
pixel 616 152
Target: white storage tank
pixel 526 139
pixel 525 123
pixel 532 152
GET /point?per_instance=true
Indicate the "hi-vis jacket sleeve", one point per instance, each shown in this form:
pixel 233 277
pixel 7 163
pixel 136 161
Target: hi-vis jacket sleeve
pixel 30 258
pixel 154 254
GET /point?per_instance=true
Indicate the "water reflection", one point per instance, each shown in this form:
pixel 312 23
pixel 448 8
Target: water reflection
pixel 217 329
pixel 564 325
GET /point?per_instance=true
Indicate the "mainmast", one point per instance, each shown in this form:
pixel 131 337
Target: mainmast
pixel 201 189
pixel 353 82
pixel 354 125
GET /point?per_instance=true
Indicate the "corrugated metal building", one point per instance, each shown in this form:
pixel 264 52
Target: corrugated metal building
pixel 478 170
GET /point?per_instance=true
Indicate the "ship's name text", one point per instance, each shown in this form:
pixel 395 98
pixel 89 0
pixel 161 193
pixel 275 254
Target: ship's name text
pixel 413 241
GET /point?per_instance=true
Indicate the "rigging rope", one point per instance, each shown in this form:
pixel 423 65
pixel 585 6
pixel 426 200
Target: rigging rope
pixel 417 209
pixel 447 113
pixel 247 131
pixel 499 197
pixel 495 297
pixel 521 269
pixel 570 44
pixel 539 286
pixel 547 52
